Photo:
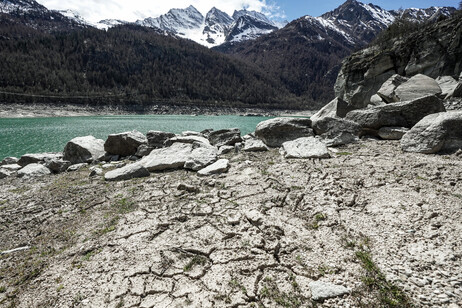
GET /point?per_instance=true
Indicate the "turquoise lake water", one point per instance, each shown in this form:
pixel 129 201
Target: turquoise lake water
pixel 36 135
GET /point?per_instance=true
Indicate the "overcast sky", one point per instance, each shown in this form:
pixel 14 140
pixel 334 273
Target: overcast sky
pixel 131 10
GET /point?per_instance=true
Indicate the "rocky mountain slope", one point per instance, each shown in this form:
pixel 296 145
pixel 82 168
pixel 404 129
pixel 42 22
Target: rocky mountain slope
pixel 434 50
pixel 306 54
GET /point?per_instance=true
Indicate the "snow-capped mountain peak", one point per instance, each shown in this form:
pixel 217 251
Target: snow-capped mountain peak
pixel 215 28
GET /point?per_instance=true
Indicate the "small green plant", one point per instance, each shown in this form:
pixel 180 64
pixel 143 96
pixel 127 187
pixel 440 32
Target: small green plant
pixel 2 289
pixel 317 219
pixel 59 288
pixel 271 291
pixel 344 153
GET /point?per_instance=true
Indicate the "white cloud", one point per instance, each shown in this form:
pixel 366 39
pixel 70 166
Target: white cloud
pixel 131 10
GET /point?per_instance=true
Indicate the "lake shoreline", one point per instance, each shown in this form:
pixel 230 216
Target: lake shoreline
pixel 65 110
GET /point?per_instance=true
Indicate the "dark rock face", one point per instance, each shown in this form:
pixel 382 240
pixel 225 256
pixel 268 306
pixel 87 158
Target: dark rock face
pixel 434 133
pixel 403 114
pixel 435 50
pixel 275 132
pixel 124 144
pixel 157 139
pixel 225 137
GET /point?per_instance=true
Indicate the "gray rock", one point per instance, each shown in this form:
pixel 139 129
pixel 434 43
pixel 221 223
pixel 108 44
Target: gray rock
pixel 84 150
pixel 276 131
pixel 143 150
pixel 188 188
pixel 447 84
pixel 254 145
pixel 27 159
pixel 4 173
pixel 457 92
pixel 403 114
pixel 57 165
pixel 434 133
pixel 225 149
pixel 376 100
pixel 94 171
pixel 124 144
pixel 416 87
pixel 187 139
pixel 392 133
pixel 225 137
pixel 306 147
pixel 220 166
pixel 323 290
pixel 13 167
pixel 157 139
pixel 387 90
pixel 337 131
pixel 192 156
pixel 9 161
pixel 337 108
pixel 33 170
pixel 128 172
pixel 191 133
pixel 76 167
pixel 201 156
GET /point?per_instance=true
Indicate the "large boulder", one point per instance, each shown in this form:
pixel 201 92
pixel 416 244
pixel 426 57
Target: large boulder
pixel 84 149
pixel 33 170
pixel 225 137
pixel 447 84
pixel 387 90
pixel 337 131
pixel 306 147
pixel 276 131
pixel 337 108
pixel 403 114
pixel 157 139
pixel 434 133
pixel 124 144
pixel 457 92
pixel 27 159
pixel 127 172
pixel 180 155
pixel 416 87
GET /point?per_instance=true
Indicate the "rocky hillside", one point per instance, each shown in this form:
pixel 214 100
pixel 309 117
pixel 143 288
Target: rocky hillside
pixel 433 50
pixel 306 54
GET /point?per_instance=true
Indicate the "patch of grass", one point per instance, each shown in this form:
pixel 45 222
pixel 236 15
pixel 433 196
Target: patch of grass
pixel 19 190
pixel 109 226
pixel 296 188
pixel 271 291
pixel 317 219
pixel 124 205
pixel 2 289
pixel 457 196
pixel 388 294
pixel 196 260
pixel 59 288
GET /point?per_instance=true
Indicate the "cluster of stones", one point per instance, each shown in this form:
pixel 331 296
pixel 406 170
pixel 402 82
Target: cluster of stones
pixel 406 109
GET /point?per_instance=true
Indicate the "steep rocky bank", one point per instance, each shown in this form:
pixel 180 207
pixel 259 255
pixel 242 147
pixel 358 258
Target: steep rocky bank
pixel 260 235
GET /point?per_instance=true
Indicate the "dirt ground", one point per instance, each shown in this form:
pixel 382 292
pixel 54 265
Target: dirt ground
pixel 385 224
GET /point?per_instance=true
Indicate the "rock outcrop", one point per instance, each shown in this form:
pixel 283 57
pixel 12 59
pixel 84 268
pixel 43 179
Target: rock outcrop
pixel 434 133
pixel 220 166
pixel 9 161
pixel 124 144
pixel 337 108
pixel 403 114
pixel 337 131
pixel 83 150
pixel 434 50
pixel 387 90
pixel 276 131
